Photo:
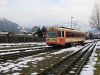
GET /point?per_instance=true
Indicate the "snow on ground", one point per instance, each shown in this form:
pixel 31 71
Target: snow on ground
pixel 22 62
pixel 24 48
pixel 2 45
pixel 17 65
pixel 89 68
pixel 98 46
pixel 88 41
pixel 11 51
pixel 34 73
pixel 16 74
pixel 68 49
pixel 5 67
pixel 91 40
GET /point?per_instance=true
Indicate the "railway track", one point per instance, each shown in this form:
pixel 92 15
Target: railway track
pixel 71 64
pixel 4 47
pixel 21 52
pixel 22 49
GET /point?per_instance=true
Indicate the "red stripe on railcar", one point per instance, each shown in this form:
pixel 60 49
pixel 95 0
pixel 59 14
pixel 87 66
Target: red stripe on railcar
pixel 49 43
pixel 61 41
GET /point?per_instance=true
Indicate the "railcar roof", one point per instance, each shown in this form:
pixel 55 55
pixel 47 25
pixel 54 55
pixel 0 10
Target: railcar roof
pixel 65 29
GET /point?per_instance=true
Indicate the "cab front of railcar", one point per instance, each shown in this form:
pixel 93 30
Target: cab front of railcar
pixel 52 38
pixel 56 37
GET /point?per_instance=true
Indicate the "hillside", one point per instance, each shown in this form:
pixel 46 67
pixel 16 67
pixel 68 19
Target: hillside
pixel 8 26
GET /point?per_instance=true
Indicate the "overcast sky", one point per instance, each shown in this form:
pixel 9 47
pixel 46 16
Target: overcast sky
pixel 46 12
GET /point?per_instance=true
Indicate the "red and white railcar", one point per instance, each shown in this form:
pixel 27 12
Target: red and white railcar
pixel 63 36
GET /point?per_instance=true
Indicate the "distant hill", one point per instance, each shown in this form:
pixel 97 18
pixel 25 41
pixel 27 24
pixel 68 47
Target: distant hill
pixel 6 25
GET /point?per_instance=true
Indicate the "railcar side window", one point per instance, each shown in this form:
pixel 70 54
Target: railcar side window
pixel 62 33
pixel 78 35
pixel 67 34
pixel 59 34
pixel 72 34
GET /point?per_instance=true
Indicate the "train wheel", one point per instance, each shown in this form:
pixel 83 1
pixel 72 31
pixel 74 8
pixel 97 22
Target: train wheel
pixel 81 43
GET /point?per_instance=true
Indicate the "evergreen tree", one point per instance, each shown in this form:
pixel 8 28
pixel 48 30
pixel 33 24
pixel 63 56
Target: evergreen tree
pixel 43 29
pixel 39 32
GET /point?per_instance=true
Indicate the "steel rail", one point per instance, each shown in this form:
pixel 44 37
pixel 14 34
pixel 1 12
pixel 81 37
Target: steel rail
pixel 84 55
pixel 23 49
pixel 85 59
pixel 18 46
pixel 22 53
pixel 50 70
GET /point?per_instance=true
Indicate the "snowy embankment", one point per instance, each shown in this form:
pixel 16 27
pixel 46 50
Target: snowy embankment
pixel 89 68
pixel 91 40
pixel 68 49
pixel 3 45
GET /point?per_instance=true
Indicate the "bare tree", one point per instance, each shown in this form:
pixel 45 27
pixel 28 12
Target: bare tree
pixel 95 17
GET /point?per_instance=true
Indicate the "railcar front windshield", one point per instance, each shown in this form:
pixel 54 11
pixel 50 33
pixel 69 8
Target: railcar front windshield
pixel 52 34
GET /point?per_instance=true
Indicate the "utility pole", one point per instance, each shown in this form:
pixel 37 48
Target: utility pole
pixel 71 22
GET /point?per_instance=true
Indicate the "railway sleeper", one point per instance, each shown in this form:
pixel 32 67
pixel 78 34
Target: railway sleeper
pixel 51 70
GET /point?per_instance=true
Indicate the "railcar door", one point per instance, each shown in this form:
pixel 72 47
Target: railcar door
pixel 61 38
